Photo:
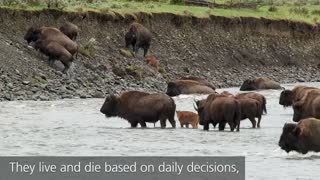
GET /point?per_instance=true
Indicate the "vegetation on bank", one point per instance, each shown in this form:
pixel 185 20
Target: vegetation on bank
pixel 299 10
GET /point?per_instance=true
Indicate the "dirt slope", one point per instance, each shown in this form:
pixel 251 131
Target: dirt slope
pixel 224 50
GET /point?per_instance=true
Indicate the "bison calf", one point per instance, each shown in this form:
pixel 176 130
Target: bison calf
pixel 188 117
pixel 302 137
pixel 153 61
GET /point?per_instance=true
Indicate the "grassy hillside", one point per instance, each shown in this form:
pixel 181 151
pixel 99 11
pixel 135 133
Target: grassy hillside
pixel 299 10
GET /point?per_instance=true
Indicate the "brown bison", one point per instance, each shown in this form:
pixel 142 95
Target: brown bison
pixel 256 96
pixel 71 30
pixel 200 80
pixel 218 109
pixel 288 97
pixel 140 107
pixel 302 137
pixel 51 34
pixel 138 37
pixel 308 106
pixel 259 83
pixel 55 51
pixel 187 87
pixel 227 94
pixel 250 108
pixel 152 61
pixel 188 117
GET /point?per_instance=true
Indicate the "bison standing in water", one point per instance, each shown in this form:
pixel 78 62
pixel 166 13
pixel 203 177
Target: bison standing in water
pixel 188 117
pixel 138 37
pixel 259 83
pixel 302 137
pixel 219 109
pixel 187 87
pixel 70 30
pixel 259 97
pixel 140 107
pixel 308 106
pixel 288 97
pixel 250 108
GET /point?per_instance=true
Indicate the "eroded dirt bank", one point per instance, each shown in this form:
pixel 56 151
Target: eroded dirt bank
pixel 224 50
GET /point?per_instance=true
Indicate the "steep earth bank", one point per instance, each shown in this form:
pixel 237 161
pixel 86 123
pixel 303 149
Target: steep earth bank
pixel 226 51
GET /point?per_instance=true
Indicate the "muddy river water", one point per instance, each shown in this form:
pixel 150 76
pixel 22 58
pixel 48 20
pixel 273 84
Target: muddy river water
pixel 76 127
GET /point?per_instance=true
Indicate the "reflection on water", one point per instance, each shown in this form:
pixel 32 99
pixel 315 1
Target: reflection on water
pixel 76 127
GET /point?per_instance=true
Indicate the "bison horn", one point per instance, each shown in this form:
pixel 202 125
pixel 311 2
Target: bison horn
pixel 283 88
pixel 195 108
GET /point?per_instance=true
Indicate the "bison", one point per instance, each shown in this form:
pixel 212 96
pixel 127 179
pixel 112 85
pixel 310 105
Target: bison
pixel 71 30
pixel 308 106
pixel 218 109
pixel 187 87
pixel 138 37
pixel 55 51
pixel 227 94
pixel 188 117
pixel 51 34
pixel 200 80
pixel 288 97
pixel 302 137
pixel 259 83
pixel 250 108
pixel 140 107
pixel 259 97
pixel 152 61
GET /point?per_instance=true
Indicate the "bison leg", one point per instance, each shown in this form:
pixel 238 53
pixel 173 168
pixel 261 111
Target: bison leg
pixel 172 121
pixel 181 125
pixel 163 123
pixel 187 125
pixel 259 120
pixel 142 124
pixel 206 126
pixel 145 50
pixel 51 61
pixel 253 122
pixel 134 124
pixel 222 125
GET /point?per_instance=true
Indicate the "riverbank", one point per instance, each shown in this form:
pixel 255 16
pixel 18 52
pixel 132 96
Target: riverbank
pixel 224 50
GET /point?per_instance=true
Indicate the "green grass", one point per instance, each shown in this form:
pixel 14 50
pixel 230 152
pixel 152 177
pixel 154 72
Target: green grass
pixel 284 10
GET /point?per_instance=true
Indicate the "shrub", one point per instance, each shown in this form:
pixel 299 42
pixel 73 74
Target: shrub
pixel 300 11
pixel 176 1
pixel 89 49
pixel 136 71
pixel 315 12
pixel 115 6
pixel 273 9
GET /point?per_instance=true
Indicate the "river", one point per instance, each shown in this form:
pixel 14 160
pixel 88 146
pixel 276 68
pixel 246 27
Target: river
pixel 76 127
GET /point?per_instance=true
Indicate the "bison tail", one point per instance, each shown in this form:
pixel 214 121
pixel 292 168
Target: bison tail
pixel 264 105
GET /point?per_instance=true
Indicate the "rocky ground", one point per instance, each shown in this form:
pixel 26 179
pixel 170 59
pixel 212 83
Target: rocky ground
pixel 223 53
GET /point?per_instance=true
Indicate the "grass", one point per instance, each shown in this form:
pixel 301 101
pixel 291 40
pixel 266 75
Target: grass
pixel 284 10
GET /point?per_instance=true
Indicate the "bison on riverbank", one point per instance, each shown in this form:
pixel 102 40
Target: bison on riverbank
pixel 187 117
pixel 302 137
pixel 51 34
pixel 187 87
pixel 71 30
pixel 55 51
pixel 140 107
pixel 288 97
pixel 138 37
pixel 218 109
pixel 259 83
pixel 308 106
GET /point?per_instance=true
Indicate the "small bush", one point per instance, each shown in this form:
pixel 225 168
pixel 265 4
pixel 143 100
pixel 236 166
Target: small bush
pixel 89 49
pixel 9 2
pixel 301 11
pixel 136 71
pixel 115 6
pixel 188 13
pixel 105 10
pixel 176 1
pixel 273 9
pixel 315 12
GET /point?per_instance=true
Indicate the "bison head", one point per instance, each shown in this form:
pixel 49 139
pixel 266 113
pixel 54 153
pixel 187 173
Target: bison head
pixel 297 111
pixel 109 107
pixel 32 35
pixel 248 85
pixel 289 139
pixel 200 109
pixel 130 39
pixel 286 98
pixel 173 89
